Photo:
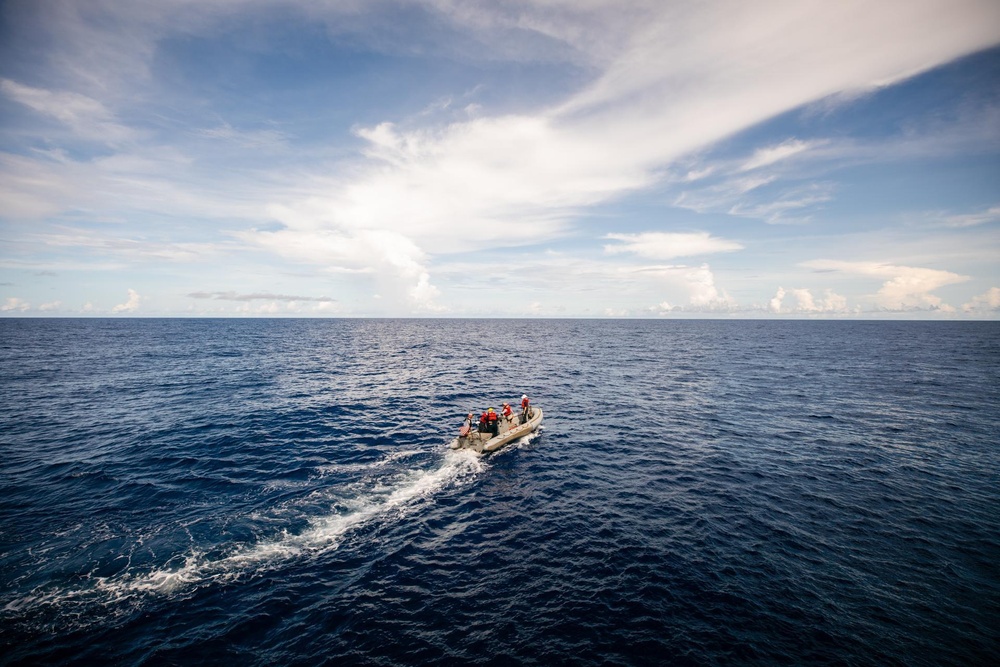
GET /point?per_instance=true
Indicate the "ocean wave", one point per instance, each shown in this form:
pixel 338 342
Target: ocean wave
pixel 376 497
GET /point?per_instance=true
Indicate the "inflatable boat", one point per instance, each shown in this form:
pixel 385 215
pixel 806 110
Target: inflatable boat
pixel 508 430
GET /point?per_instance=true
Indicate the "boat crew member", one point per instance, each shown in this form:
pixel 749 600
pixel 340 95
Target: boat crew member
pixel 506 412
pixel 491 417
pixel 484 420
pixel 525 410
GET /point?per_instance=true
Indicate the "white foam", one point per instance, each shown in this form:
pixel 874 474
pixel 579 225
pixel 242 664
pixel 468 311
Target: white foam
pixel 393 499
pixel 523 441
pixel 338 468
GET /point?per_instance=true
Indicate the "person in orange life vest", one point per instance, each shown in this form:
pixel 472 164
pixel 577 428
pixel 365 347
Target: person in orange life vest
pixel 491 417
pixel 506 412
pixel 524 408
pixel 484 421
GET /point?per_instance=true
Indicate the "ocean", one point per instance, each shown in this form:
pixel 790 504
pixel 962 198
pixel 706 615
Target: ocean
pixel 702 492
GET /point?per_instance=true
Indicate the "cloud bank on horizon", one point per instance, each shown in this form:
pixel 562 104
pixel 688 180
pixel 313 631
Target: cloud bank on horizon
pixel 546 158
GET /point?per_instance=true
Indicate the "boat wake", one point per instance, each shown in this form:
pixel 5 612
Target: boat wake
pixel 384 490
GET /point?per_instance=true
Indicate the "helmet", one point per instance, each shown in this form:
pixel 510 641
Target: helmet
pixel 492 410
pixel 524 396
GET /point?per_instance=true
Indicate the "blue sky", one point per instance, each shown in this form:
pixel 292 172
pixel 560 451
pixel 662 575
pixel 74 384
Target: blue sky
pixel 554 158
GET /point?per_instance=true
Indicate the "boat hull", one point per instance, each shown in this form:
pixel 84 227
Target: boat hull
pixel 483 443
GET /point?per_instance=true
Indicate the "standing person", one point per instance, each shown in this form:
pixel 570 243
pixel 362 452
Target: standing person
pixel 467 425
pixel 484 421
pixel 491 417
pixel 525 410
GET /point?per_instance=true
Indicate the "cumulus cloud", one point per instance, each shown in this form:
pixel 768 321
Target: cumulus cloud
pixel 832 302
pixel 905 287
pixel 266 308
pixel 805 302
pixel 130 305
pixel 668 245
pixel 988 302
pixel 774 305
pixel 394 261
pixel 15 304
pixel 663 308
pixel 698 283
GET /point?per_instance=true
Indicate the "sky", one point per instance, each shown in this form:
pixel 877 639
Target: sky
pixel 511 158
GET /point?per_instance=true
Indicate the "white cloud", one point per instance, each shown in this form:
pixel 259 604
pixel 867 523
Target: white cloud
pixel 905 287
pixel 805 302
pixel 257 296
pixel 666 79
pixel 514 179
pixel 88 118
pixel 769 155
pixel 140 250
pixel 757 59
pixel 15 304
pixel 987 302
pixel 721 195
pixel 395 262
pixel 698 284
pixel 774 305
pixel 663 308
pixel 704 293
pixel 791 207
pixel 50 306
pixel 280 307
pixel 254 139
pixel 152 180
pixel 37 188
pixel 974 219
pixel 833 302
pixel 131 305
pixel 668 245
pixel 735 194
pixel 667 85
pixel 698 174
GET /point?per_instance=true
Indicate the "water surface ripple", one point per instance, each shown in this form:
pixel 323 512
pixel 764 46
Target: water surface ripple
pixel 267 492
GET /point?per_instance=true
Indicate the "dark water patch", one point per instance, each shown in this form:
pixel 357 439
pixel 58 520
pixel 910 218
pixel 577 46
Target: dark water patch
pixel 702 493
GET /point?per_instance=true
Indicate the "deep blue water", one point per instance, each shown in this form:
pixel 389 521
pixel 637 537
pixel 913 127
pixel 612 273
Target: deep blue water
pixel 280 492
